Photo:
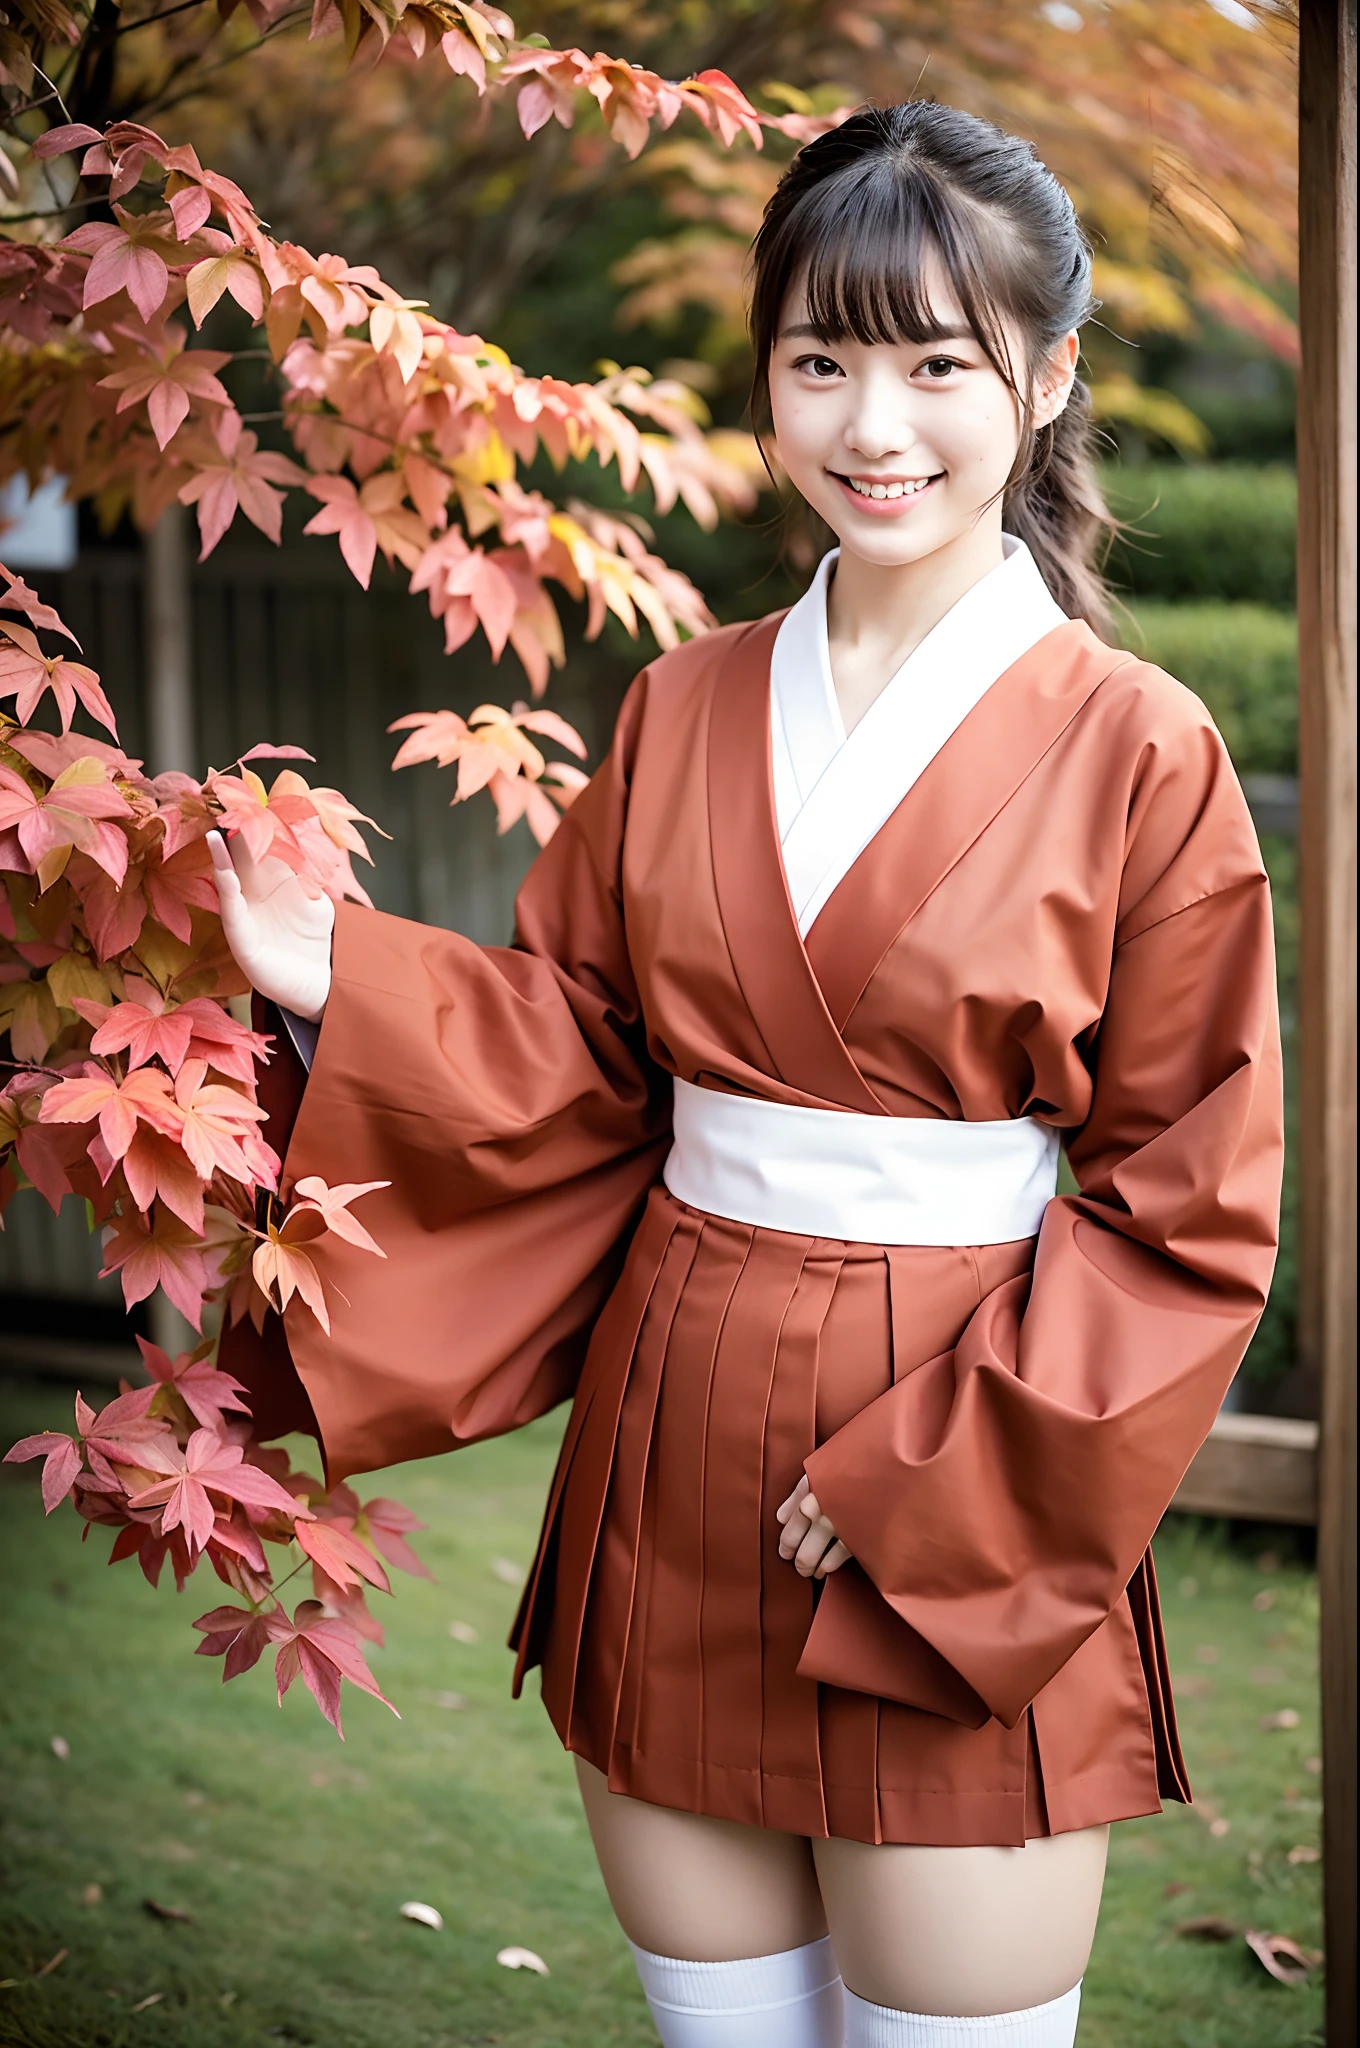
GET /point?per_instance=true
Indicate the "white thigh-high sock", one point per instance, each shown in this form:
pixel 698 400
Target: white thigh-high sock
pixel 1053 2025
pixel 793 2000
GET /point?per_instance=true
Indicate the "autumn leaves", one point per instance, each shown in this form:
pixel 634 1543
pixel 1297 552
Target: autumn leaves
pixel 171 1467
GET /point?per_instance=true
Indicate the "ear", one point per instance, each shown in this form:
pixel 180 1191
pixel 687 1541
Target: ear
pixel 1053 385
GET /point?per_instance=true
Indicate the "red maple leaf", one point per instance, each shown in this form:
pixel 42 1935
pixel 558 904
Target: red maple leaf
pixel 118 1105
pixel 182 881
pixel 158 1252
pixel 62 1463
pixel 142 1541
pixel 26 674
pixel 238 474
pixel 129 257
pixel 322 1652
pixel 71 813
pixel 389 1524
pixel 236 1633
pixel 205 1466
pixel 145 1031
pixel 157 1169
pixel 168 380
pixel 331 1543
pixel 205 1391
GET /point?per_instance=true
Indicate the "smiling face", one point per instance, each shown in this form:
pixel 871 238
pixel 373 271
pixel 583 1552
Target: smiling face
pixel 903 447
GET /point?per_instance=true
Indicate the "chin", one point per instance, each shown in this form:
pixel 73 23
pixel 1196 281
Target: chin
pixel 888 549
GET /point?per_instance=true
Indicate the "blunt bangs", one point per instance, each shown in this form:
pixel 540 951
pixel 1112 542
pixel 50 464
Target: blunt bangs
pixel 869 243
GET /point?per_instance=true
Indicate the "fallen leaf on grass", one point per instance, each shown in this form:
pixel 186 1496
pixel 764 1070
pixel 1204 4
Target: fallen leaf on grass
pixel 1313 1765
pixel 61 1749
pixel 521 1959
pixel 1263 1601
pixel 1285 1960
pixel 92 1895
pixel 58 1959
pixel 1303 1852
pixel 1218 1827
pixel 1175 1888
pixel 452 1702
pixel 1207 1653
pixel 1285 1718
pixel 1192 1687
pixel 1207 1927
pixel 509 1574
pixel 1266 1674
pixel 160 1912
pixel 425 1915
pixel 463 1632
pixel 152 1998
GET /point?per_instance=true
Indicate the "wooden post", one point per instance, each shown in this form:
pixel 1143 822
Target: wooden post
pixel 1327 877
pixel 167 621
pixel 167 611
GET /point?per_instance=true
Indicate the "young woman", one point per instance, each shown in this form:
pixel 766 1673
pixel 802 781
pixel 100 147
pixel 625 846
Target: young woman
pixel 843 1600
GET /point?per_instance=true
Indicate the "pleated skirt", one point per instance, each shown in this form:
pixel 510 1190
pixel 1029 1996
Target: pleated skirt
pixel 667 1625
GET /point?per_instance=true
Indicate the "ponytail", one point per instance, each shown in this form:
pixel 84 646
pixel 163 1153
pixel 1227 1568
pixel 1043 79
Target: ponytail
pixel 1055 505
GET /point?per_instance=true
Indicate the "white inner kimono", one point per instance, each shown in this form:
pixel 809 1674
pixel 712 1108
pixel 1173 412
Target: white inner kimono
pixel 843 1173
pixel 834 791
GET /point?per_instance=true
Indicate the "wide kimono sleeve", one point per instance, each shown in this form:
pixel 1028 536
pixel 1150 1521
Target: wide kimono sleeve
pixel 1001 1496
pixel 507 1097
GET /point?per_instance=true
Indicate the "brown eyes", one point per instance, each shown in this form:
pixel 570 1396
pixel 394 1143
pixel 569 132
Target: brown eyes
pixel 824 368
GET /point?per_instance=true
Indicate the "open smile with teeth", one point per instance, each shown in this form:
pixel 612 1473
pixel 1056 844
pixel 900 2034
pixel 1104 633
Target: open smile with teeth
pixel 865 487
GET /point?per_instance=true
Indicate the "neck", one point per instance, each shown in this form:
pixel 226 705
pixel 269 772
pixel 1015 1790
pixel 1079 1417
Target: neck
pixel 878 614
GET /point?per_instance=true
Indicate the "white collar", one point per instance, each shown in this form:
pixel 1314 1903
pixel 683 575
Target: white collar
pixel 833 793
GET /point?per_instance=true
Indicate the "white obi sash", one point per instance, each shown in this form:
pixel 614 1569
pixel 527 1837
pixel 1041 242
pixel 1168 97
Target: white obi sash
pixel 862 1179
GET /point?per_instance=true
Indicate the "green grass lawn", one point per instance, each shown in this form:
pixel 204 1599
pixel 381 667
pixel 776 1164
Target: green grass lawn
pixel 293 1852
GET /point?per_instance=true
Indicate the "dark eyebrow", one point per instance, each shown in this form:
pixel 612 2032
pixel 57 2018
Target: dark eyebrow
pixel 805 331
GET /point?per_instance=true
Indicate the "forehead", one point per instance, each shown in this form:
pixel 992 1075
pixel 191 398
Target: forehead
pixel 930 305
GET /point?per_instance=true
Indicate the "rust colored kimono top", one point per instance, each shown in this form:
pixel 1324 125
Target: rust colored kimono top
pixel 1065 918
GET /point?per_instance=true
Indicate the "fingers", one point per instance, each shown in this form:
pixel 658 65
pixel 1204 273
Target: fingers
pixel 813 1548
pixel 237 921
pixel 786 1508
pixel 807 1538
pixel 221 858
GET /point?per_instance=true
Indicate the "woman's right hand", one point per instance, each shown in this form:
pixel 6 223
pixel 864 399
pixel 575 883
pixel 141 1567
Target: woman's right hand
pixel 278 931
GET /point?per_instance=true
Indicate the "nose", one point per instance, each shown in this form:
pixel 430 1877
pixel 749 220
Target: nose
pixel 880 424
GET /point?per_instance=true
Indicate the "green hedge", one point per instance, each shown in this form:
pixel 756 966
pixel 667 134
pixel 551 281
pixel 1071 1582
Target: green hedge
pixel 1242 659
pixel 1225 530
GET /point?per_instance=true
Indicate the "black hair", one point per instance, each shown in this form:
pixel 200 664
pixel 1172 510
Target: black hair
pixel 857 216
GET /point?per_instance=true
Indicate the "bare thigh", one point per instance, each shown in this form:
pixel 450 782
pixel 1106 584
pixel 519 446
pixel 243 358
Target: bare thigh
pixel 707 1891
pixel 963 1931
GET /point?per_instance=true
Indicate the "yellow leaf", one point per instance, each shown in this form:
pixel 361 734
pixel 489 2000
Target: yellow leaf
pixel 75 974
pixel 161 954
pixel 1151 411
pixel 52 866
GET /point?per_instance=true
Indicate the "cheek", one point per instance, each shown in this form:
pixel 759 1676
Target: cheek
pixel 796 422
pixel 981 437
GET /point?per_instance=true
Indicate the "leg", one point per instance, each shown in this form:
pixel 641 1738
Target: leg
pixel 963 1932
pixel 708 1890
pixel 725 1924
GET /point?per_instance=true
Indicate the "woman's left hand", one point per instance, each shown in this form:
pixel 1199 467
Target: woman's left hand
pixel 808 1536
